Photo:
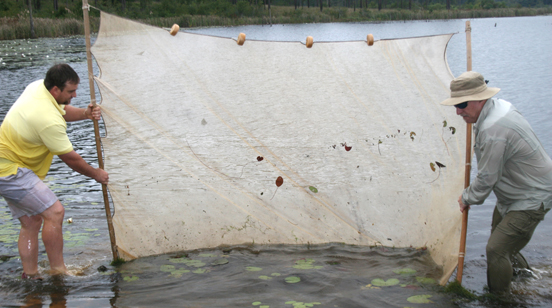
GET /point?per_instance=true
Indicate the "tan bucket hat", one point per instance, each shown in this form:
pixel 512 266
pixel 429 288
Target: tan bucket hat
pixel 470 86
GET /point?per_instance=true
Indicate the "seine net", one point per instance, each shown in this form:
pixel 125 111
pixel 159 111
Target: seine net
pixel 210 143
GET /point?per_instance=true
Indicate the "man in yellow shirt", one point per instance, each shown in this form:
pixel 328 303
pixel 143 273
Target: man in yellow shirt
pixel 33 131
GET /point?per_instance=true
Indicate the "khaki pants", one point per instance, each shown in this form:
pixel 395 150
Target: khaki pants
pixel 509 234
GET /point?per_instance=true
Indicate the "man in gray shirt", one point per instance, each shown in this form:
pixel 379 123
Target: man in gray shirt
pixel 513 164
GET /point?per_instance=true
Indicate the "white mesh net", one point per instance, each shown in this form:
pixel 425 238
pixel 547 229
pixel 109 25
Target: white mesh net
pixel 200 129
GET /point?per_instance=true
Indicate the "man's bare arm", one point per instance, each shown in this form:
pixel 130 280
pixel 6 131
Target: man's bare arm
pixel 76 114
pixel 77 163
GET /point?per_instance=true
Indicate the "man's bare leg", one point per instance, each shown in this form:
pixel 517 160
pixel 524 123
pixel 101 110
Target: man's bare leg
pixel 28 243
pixel 52 236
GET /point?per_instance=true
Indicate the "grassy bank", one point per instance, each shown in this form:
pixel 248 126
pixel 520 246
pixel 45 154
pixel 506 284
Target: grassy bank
pixel 19 27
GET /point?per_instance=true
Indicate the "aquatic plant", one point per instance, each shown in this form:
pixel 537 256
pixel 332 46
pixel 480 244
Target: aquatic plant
pixel 458 290
pixel 118 262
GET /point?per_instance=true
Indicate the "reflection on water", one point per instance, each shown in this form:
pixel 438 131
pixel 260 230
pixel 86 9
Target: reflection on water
pixel 511 52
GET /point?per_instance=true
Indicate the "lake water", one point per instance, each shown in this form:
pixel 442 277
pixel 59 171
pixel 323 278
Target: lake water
pixel 513 53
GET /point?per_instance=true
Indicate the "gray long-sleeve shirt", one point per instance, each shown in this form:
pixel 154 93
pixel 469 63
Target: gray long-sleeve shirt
pixel 511 161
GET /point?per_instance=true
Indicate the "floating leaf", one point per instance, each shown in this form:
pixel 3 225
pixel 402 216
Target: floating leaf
pixel 179 260
pixel 425 280
pixel 370 286
pixel 130 278
pixel 275 274
pixel 199 271
pixel 178 273
pixel 445 123
pixel 432 166
pixel 453 130
pixel 167 268
pixel 302 304
pixel 404 271
pixel 220 261
pixel 440 165
pixel 313 189
pixel 279 181
pixel 253 269
pixel 188 262
pixel 263 277
pixel 292 279
pixel 382 283
pixel 306 264
pixel 419 299
pixel 260 158
pixel 256 303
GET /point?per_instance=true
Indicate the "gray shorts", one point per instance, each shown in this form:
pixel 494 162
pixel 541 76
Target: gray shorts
pixel 26 194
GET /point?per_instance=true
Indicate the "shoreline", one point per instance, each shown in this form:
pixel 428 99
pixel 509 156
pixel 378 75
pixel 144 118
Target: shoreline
pixel 19 28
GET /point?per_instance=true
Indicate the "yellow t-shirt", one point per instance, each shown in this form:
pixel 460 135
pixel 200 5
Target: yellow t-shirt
pixel 32 132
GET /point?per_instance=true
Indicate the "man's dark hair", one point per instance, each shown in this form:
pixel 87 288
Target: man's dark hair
pixel 58 75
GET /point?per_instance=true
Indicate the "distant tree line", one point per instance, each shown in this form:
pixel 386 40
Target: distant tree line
pixel 142 9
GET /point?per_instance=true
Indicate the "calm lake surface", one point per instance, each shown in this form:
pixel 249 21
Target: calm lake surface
pixel 513 53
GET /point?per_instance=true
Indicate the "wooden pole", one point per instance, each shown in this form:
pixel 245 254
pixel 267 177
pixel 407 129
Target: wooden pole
pixel 85 8
pixel 467 170
pixel 33 35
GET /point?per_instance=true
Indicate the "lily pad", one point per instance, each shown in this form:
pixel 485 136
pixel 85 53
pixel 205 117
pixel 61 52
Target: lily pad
pixel 263 277
pixel 306 264
pixel 178 273
pixel 419 299
pixel 293 279
pixel 131 278
pixel 178 260
pixel 404 271
pixel 167 268
pixel 426 280
pixel 382 283
pixel 188 262
pixel 219 261
pixel 302 304
pixel 253 269
pixel 313 189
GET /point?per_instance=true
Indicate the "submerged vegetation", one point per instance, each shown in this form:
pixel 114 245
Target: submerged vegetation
pixel 463 295
pixel 118 262
pixel 19 19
